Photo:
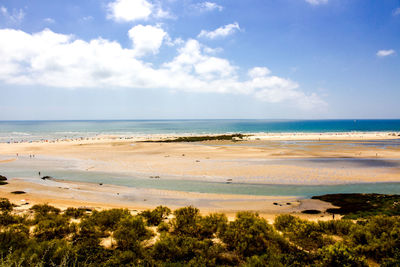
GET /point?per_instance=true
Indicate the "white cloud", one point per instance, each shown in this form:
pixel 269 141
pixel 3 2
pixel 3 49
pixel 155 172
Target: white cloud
pixel 146 39
pixel 49 20
pixel 15 17
pixel 129 10
pixel 212 51
pixel 258 72
pixel 208 6
pixel 162 14
pixel 220 32
pixel 317 2
pixel 170 42
pixel 62 61
pixel 396 11
pixel 385 53
pixel 132 10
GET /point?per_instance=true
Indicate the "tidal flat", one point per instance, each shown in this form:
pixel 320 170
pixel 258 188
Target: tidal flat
pixel 252 172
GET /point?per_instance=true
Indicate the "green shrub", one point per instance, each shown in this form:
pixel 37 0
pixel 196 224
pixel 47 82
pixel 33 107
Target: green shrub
pixel 44 211
pixel 286 222
pixel 189 239
pixel 108 220
pixel 186 222
pixel 130 232
pixel 272 259
pixel 13 238
pixel 303 233
pixel 156 216
pixel 182 248
pixel 213 224
pixel 163 227
pixel 250 235
pixel 340 255
pixel 336 227
pixel 6 205
pixel 56 227
pixel 378 237
pixel 74 213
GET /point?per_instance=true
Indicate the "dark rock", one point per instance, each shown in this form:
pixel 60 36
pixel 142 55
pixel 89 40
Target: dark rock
pixel 3 178
pixel 47 178
pixel 18 192
pixel 311 211
pixel 361 205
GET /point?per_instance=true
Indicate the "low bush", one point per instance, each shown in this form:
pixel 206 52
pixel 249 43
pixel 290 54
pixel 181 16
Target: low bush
pixel 116 238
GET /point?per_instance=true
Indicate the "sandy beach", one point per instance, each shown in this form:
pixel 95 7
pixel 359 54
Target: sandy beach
pixel 295 158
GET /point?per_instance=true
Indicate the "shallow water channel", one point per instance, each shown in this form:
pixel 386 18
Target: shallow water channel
pixel 68 170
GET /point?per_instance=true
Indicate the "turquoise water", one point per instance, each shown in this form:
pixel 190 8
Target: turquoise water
pixel 37 130
pixel 62 169
pixel 224 188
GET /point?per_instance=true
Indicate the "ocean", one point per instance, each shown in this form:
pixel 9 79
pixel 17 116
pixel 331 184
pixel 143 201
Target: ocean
pixel 15 131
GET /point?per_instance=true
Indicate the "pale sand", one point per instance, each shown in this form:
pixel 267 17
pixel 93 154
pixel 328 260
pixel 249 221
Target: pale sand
pixel 212 160
pixel 68 194
pixel 219 161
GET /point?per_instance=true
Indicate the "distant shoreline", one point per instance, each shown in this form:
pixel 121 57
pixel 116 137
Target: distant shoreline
pixel 52 130
pixel 272 136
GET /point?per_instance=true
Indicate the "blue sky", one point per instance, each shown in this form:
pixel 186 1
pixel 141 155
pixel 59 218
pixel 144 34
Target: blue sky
pixel 184 59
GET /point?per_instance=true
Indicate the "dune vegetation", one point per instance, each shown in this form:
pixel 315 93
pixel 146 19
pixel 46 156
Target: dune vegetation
pixel 229 137
pixel 47 236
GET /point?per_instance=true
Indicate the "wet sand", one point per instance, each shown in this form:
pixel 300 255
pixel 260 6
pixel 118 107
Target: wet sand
pixel 257 159
pixel 87 195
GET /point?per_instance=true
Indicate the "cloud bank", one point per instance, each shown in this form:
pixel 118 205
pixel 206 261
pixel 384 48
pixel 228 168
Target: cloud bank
pixel 59 60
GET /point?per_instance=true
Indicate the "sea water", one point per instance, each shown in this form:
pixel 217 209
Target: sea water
pixel 11 131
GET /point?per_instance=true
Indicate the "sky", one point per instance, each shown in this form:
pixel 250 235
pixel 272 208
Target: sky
pixel 186 59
